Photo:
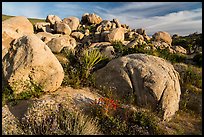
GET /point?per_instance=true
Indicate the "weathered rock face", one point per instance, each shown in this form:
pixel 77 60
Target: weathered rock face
pixel 152 79
pixel 30 59
pixel 73 22
pixel 14 28
pixel 115 35
pixel 62 28
pixel 163 37
pixel 57 44
pixel 52 19
pixel 43 26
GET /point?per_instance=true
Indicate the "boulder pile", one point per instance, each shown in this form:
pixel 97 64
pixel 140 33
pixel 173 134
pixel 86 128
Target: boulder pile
pixel 30 53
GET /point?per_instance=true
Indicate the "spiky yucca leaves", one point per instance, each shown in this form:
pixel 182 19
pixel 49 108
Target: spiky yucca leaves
pixel 89 59
pixel 80 67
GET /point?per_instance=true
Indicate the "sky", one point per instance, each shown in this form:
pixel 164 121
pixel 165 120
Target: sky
pixel 180 18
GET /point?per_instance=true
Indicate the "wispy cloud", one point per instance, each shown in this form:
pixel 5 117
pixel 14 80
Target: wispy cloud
pixel 153 17
pixel 175 17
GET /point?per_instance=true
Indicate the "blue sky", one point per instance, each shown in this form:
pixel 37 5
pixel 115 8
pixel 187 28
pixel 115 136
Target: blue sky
pixel 180 18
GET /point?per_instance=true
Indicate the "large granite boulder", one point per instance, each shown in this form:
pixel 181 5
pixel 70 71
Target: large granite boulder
pixel 30 60
pixel 153 81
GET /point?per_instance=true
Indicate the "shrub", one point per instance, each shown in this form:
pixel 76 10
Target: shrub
pixel 117 119
pixel 118 47
pixel 60 122
pixel 198 59
pixel 33 90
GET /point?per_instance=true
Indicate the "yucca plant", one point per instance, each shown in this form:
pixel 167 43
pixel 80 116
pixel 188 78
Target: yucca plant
pixel 89 59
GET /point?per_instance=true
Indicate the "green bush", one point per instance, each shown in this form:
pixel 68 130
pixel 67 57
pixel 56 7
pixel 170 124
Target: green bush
pixel 122 50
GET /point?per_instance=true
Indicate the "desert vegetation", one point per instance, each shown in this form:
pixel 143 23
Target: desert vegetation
pixel 94 76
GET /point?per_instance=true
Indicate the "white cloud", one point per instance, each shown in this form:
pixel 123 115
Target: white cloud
pixel 138 16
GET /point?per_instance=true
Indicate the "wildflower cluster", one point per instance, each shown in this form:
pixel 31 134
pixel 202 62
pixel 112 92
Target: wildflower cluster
pixel 106 104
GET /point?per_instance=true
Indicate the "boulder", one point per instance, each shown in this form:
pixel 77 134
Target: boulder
pixel 52 19
pixel 73 22
pixel 115 35
pixel 91 19
pixel 113 25
pixel 77 35
pixel 46 37
pixel 163 37
pixel 43 26
pixel 57 44
pixel 129 35
pixel 106 25
pixel 99 44
pixel 62 28
pixel 126 42
pixel 116 21
pixel 141 31
pixel 87 32
pixel 146 37
pixel 105 48
pixel 153 81
pixel 103 35
pixel 180 49
pixel 14 28
pixel 161 45
pixel 99 29
pixel 18 24
pixel 30 60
